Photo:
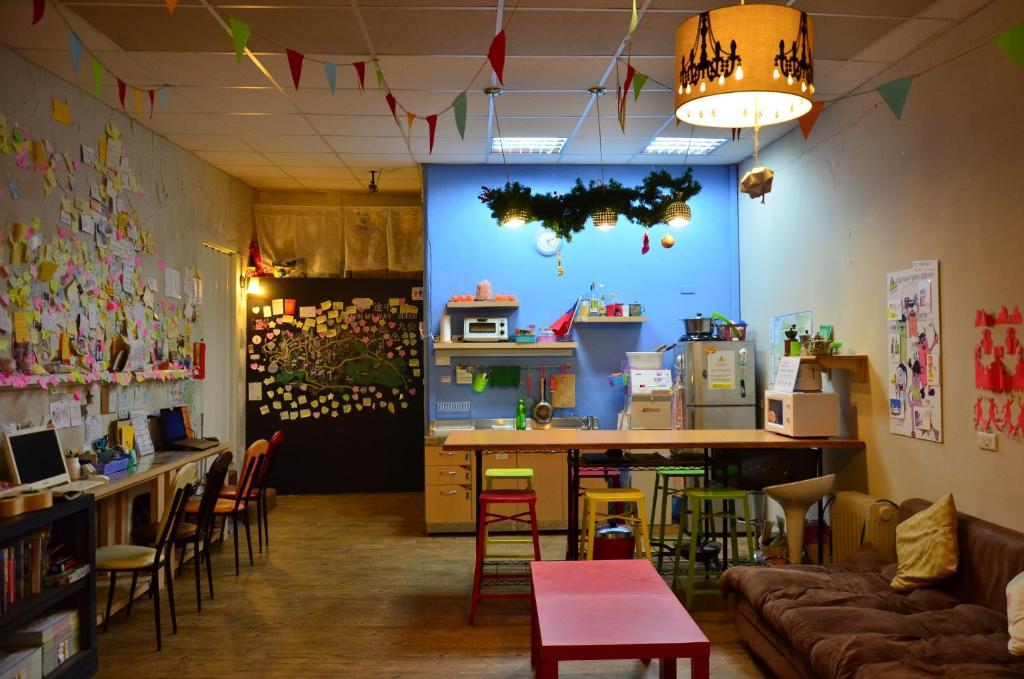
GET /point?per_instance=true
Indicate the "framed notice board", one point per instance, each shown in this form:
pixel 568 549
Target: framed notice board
pixel 337 365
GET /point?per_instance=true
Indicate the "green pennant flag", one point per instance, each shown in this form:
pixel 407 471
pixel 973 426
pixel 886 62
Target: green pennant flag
pixel 97 77
pixel 1011 42
pixel 380 75
pixel 460 114
pixel 639 80
pixel 895 94
pixel 240 33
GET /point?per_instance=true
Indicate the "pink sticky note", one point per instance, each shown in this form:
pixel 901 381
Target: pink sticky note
pixel 77 396
pixel 111 306
pixel 138 260
pixel 62 232
pixel 412 391
pixel 39 305
pixel 161 264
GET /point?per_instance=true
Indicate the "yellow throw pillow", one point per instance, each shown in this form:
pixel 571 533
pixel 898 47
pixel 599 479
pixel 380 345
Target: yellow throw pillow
pixel 926 547
pixel 1015 614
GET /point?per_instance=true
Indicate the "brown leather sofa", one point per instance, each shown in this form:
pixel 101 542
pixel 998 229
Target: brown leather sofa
pixel 845 622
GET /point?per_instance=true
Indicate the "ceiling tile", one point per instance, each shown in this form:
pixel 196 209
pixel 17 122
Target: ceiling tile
pixel 902 40
pixel 315 172
pixel 214 69
pixel 569 33
pixel 843 37
pixel 342 102
pixel 236 99
pixel 400 30
pixel 292 143
pixel 611 146
pixel 253 171
pixel 421 72
pixel 184 123
pixel 902 8
pixel 849 75
pixel 264 124
pixel 394 144
pixel 326 184
pixel 378 160
pixel 310 30
pixel 554 72
pixel 232 158
pixel 304 159
pixel 392 173
pixel 150 28
pixel 274 183
pixel 209 142
pixel 636 126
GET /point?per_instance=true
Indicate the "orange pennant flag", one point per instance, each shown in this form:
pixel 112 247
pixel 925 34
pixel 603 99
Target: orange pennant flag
pixel 138 101
pixel 409 117
pixel 808 119
pixel 171 4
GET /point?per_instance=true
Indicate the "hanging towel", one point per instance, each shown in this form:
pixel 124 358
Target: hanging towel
pixel 505 376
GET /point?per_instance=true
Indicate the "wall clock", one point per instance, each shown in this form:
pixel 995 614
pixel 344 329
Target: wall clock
pixel 548 242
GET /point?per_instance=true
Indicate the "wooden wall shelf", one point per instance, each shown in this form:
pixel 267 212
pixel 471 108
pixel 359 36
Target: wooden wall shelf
pixel 857 366
pixel 596 320
pixel 79 377
pixel 442 349
pixel 467 306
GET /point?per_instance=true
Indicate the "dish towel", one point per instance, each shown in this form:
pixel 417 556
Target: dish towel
pixel 505 376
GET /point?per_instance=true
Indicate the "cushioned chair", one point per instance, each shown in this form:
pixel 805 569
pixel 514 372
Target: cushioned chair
pixel 258 492
pixel 137 559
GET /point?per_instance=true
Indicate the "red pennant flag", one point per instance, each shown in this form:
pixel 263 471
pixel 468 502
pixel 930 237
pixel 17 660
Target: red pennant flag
pixel 630 72
pixel 295 64
pixel 121 89
pixel 38 7
pixel 392 103
pixel 496 55
pixel 360 67
pixel 171 4
pixel 808 119
pixel 152 95
pixel 432 124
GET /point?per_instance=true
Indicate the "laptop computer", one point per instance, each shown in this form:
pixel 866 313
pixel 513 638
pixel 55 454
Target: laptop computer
pixel 35 459
pixel 176 434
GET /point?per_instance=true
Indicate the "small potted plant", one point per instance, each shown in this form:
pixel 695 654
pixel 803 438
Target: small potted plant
pixel 73 464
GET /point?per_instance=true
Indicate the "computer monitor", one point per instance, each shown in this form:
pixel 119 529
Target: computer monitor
pixel 173 422
pixel 36 458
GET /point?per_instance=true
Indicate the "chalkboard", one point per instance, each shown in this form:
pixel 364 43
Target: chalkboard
pixel 337 365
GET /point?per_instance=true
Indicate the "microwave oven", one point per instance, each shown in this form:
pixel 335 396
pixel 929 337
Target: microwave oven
pixel 485 330
pixel 801 413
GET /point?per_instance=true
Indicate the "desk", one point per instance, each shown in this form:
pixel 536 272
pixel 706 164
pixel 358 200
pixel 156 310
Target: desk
pixel 572 442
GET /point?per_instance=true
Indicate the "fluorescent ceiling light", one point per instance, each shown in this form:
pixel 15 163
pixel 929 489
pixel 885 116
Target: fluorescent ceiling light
pixel 695 146
pixel 527 144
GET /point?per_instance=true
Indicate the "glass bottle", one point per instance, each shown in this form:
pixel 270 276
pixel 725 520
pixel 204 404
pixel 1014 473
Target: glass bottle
pixel 521 414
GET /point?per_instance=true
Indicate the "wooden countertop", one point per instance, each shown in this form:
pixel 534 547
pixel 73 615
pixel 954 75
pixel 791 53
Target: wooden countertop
pixel 151 466
pixel 602 439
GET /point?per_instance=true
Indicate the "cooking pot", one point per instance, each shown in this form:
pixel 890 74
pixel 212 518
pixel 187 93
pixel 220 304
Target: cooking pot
pixel 698 326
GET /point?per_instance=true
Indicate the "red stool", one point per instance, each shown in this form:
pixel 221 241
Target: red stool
pixel 488 518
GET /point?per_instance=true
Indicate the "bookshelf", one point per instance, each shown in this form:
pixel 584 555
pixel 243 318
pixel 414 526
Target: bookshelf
pixel 73 523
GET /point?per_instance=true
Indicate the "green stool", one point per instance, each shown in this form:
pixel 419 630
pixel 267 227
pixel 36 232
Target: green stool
pixel 662 479
pixel 700 496
pixel 518 474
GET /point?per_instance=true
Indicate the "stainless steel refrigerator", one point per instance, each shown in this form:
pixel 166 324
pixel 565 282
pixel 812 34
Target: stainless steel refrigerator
pixel 717 384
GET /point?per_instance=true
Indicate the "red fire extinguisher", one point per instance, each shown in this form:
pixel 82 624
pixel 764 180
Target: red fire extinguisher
pixel 199 360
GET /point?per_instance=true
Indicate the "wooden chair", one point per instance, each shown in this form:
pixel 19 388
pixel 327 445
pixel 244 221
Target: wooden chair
pixel 239 507
pixel 258 492
pixel 139 559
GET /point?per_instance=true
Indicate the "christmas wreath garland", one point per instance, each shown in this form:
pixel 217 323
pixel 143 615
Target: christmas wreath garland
pixel 658 198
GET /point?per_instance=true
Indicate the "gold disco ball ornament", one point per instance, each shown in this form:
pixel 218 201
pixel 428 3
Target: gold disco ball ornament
pixel 678 214
pixel 745 65
pixel 605 218
pixel 514 218
pixel 757 182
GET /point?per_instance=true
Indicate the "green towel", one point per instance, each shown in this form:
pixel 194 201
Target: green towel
pixel 505 376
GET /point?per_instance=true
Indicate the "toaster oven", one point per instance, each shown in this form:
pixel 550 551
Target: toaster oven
pixel 485 330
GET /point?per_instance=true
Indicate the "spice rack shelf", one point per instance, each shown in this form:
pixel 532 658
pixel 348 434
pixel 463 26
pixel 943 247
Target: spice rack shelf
pixel 857 365
pixel 444 349
pixel 597 320
pixel 482 305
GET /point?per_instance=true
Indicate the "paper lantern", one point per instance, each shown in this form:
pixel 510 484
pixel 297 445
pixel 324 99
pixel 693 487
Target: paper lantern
pixel 745 65
pixel 757 182
pixel 678 214
pixel 514 217
pixel 605 218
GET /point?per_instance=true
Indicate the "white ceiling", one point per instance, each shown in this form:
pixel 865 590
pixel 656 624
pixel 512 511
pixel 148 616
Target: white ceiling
pixel 231 114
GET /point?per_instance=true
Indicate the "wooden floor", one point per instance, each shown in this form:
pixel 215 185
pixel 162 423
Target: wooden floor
pixel 353 588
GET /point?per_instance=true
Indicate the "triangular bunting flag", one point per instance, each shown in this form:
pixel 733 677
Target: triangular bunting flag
pixel 639 80
pixel 332 75
pixel 380 75
pixel 97 77
pixel 151 105
pixel 409 117
pixel 1011 42
pixel 432 124
pixel 895 94
pixel 633 19
pixel 808 119
pixel 295 65
pixel 460 114
pixel 121 89
pixel 240 33
pixel 161 97
pixel 138 101
pixel 392 104
pixel 360 67
pixel 630 72
pixel 171 4
pixel 496 55
pixel 620 101
pixel 38 7
pixel 76 51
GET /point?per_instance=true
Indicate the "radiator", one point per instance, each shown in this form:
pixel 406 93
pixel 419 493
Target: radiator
pixel 858 518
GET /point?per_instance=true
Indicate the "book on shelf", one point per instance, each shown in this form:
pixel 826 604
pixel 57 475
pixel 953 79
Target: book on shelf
pixel 23 563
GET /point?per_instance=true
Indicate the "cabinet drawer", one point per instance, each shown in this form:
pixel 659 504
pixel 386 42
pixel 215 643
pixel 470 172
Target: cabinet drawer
pixel 448 504
pixel 448 474
pixel 435 455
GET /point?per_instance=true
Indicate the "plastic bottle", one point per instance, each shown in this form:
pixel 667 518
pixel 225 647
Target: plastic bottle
pixel 521 414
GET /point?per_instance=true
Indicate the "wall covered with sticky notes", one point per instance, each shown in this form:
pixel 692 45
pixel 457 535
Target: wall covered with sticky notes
pixel 101 223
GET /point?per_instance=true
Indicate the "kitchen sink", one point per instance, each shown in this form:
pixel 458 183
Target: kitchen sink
pixel 445 427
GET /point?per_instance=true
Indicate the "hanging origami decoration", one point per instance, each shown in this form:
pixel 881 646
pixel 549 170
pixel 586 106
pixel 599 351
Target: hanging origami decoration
pixel 757 182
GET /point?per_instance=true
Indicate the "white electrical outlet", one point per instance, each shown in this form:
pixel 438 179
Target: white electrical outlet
pixel 988 440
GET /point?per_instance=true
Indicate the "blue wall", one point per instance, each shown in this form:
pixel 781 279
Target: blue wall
pixel 465 245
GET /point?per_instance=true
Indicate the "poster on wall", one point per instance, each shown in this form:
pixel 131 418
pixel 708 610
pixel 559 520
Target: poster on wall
pixel 780 324
pixel 914 351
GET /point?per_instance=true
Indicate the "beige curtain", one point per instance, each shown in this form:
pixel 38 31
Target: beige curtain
pixel 309 233
pixel 405 239
pixel 383 239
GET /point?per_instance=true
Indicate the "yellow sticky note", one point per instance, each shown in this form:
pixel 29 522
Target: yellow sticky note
pixel 304 413
pixel 39 153
pixel 61 111
pixel 20 326
pixel 46 270
pixel 301 400
pixel 65 347
pixel 325 305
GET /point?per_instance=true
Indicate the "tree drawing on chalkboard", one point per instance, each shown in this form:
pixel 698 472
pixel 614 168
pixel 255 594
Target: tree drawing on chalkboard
pixel 335 358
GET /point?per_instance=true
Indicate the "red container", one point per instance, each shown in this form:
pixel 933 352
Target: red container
pixel 614 542
pixel 613 310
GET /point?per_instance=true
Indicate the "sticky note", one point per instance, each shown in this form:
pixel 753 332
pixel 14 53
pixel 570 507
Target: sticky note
pixel 61 111
pixel 46 270
pixel 278 306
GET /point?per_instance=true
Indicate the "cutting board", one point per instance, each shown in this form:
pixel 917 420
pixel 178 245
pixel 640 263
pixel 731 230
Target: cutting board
pixel 563 391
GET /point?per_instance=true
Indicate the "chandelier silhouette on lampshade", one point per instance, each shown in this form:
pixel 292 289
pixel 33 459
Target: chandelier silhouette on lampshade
pixel 745 66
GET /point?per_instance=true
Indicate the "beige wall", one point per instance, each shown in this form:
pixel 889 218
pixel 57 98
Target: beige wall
pixel 185 200
pixel 867 194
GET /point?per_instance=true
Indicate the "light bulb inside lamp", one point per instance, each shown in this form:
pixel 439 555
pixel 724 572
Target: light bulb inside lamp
pixel 514 218
pixel 678 214
pixel 254 287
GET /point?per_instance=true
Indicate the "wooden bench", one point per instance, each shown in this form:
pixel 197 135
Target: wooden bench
pixel 605 610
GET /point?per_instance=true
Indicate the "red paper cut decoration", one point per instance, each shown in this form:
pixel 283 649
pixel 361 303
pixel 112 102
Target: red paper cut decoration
pixel 121 89
pixel 1015 316
pixel 295 65
pixel 1006 424
pixel 993 413
pixel 1012 343
pixel 1019 429
pixel 38 7
pixel 1003 318
pixel 496 55
pixel 647 244
pixel 360 67
pixel 432 124
pixel 392 104
pixel 978 414
pixel 982 318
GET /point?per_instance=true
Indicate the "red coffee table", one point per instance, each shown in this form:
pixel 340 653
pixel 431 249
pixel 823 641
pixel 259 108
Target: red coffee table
pixel 604 610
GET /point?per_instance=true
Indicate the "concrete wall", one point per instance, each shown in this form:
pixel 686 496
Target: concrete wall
pixel 867 194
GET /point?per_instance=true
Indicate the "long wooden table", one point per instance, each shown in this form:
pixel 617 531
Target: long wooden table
pixel 572 442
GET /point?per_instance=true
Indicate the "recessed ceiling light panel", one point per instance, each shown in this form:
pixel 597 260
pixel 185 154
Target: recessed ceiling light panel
pixel 550 145
pixel 694 146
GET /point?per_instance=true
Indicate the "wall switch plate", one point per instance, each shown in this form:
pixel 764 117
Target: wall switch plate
pixel 988 440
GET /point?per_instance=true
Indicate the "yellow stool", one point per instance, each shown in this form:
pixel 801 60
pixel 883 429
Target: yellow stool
pixel 519 474
pixel 632 513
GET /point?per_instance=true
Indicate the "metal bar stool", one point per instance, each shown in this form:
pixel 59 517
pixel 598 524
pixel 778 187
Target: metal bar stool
pixel 633 513
pixel 662 480
pixel 700 496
